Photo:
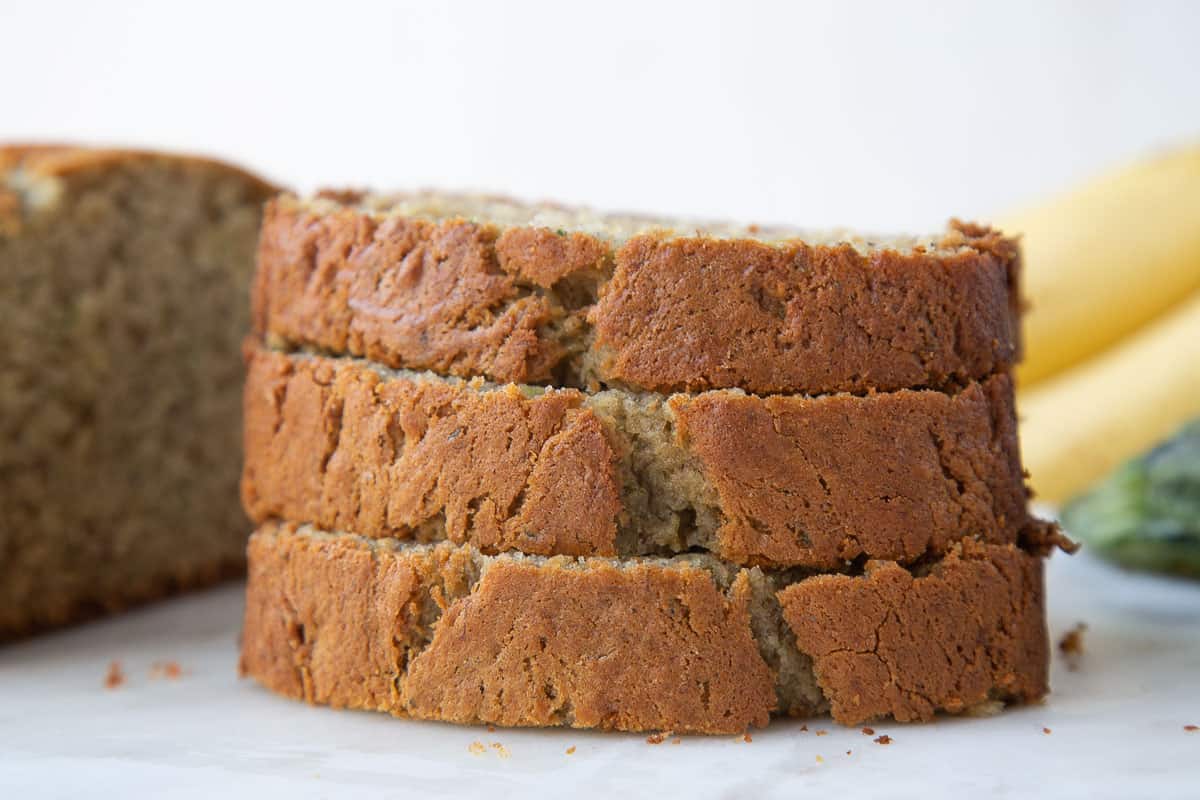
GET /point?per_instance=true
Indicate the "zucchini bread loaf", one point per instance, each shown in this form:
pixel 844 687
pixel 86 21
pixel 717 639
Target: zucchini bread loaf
pixel 527 465
pixel 122 310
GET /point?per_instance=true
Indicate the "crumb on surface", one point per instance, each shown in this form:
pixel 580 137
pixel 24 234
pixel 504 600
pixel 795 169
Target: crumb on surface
pixel 803 728
pixel 477 747
pixel 1071 645
pixel 500 749
pixel 677 740
pixel 868 731
pixel 491 728
pixel 115 677
pixel 571 750
pixel 822 732
pixel 656 738
pixel 747 738
pixel 1191 728
pixel 166 669
pixel 1046 731
pixel 884 739
pixel 820 760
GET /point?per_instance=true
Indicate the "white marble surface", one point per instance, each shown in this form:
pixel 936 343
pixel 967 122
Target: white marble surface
pixel 1117 724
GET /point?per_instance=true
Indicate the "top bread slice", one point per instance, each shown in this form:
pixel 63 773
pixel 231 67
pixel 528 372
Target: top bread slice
pixel 122 309
pixel 475 286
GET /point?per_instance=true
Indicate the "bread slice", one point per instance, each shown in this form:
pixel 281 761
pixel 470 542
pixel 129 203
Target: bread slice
pixel 690 643
pixel 472 286
pixel 781 481
pixel 122 310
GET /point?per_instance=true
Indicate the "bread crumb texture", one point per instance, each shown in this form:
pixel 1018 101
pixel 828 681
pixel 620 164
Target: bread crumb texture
pixel 686 644
pixel 114 678
pixel 1071 646
pixel 122 309
pixel 166 669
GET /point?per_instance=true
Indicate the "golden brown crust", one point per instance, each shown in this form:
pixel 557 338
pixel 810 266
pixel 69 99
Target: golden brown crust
pixel 62 160
pixel 629 648
pixel 545 257
pixel 333 443
pixel 15 155
pixel 401 292
pixel 821 481
pixel 888 644
pixel 696 313
pixel 812 482
pixel 339 622
pixel 677 313
pixel 647 645
pixel 68 162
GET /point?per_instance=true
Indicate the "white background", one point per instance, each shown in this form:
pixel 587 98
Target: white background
pixel 876 115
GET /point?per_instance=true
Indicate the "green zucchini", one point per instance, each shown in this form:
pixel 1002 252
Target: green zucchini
pixel 1146 514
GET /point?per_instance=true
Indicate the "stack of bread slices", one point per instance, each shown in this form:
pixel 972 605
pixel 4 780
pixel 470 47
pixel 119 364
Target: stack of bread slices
pixel 529 465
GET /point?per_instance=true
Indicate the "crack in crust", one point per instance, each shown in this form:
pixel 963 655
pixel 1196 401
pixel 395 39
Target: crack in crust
pixel 687 644
pixel 657 312
pixel 968 631
pixel 894 475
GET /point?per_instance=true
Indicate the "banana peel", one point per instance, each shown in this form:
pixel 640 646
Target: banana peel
pixel 1078 426
pixel 1107 258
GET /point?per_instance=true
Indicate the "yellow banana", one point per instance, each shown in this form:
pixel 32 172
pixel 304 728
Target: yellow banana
pixel 1079 425
pixel 1107 258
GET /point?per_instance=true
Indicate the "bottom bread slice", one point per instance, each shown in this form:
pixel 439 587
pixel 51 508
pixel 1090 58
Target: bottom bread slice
pixel 690 643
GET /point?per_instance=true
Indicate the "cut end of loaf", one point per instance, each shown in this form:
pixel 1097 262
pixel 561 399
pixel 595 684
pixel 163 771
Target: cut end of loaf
pixel 119 409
